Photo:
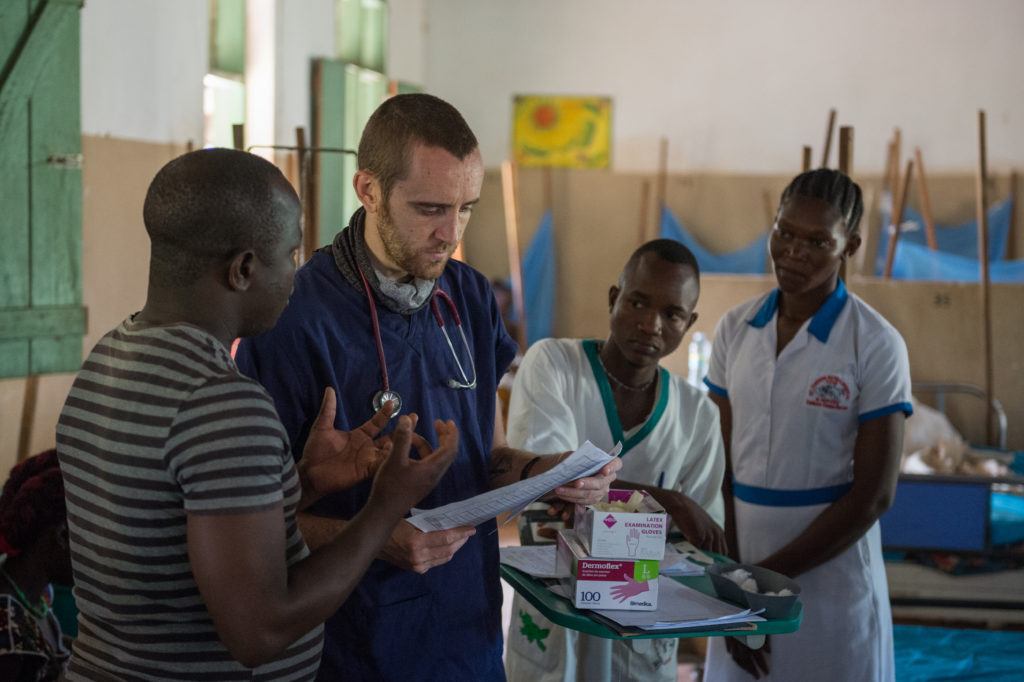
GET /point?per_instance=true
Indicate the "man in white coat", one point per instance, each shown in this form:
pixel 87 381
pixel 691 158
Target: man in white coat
pixel 571 390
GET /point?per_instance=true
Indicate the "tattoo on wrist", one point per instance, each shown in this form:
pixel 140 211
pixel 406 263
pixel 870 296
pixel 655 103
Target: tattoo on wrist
pixel 525 474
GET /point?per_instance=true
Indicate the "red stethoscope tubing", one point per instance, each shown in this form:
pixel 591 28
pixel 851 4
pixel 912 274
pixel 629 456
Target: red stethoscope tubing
pixel 436 310
pixel 381 362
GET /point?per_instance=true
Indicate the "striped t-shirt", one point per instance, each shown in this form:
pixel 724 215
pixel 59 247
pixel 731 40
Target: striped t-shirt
pixel 158 425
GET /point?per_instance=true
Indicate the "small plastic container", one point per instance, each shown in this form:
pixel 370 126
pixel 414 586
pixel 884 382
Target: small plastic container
pixel 767 581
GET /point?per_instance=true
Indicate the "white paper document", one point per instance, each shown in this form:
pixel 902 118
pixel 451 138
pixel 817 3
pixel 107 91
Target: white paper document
pixel 585 461
pixel 535 560
pixel 692 553
pixel 676 563
pixel 680 606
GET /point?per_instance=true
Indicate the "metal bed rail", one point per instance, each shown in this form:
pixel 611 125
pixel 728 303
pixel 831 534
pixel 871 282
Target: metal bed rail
pixel 940 389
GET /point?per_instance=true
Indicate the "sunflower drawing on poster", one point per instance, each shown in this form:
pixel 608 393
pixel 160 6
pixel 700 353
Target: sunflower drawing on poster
pixel 568 132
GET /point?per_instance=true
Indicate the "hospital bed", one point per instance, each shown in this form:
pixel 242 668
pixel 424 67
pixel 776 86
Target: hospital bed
pixel 972 526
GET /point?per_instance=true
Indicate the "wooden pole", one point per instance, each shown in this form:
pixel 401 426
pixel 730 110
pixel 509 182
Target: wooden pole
pixel 897 218
pixel 28 416
pixel 829 130
pixel 897 156
pixel 310 233
pixel 508 193
pixel 846 167
pixel 890 154
pixel 300 143
pixel 662 173
pixel 645 198
pixel 846 150
pixel 805 163
pixel 316 138
pixel 981 187
pixel 238 136
pixel 926 201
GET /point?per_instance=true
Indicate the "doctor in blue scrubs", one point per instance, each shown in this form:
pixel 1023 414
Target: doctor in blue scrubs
pixel 384 316
pixel 813 387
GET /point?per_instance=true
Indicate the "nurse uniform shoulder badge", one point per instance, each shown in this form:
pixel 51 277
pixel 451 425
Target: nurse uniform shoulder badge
pixel 829 391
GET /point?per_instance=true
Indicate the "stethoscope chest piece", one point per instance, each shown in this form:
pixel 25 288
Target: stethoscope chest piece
pixel 385 395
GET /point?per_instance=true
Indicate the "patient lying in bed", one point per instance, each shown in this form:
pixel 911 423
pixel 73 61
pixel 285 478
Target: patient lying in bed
pixel 932 445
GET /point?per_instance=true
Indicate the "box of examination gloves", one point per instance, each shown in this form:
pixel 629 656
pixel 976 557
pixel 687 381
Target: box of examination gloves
pixel 628 524
pixel 601 583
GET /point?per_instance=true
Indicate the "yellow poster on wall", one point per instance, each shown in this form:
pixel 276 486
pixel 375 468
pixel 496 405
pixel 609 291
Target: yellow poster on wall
pixel 568 132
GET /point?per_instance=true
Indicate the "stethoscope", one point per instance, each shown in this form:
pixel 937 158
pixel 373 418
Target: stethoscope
pixel 386 394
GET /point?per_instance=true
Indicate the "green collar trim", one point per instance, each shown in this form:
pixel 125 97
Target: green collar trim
pixel 611 412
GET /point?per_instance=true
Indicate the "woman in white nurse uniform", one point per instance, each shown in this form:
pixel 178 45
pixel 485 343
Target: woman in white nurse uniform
pixel 813 386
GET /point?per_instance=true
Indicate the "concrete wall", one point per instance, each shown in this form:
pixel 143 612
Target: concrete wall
pixel 741 85
pixel 407 40
pixel 305 30
pixel 143 63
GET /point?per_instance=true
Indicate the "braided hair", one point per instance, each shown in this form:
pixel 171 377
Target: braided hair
pixel 833 187
pixel 31 502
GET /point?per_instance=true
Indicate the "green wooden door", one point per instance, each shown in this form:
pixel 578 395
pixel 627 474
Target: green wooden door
pixel 344 97
pixel 41 315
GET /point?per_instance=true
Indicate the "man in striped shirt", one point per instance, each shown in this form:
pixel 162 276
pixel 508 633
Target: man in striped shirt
pixel 181 487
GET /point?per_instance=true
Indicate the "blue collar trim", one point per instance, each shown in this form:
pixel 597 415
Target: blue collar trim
pixel 767 311
pixel 823 320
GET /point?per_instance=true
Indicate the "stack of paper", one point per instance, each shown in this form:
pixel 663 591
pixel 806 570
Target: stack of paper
pixel 682 607
pixel 536 560
pixel 676 563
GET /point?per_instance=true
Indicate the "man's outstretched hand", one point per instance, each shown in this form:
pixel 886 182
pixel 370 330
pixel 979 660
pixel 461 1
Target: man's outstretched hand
pixel 335 460
pixel 401 481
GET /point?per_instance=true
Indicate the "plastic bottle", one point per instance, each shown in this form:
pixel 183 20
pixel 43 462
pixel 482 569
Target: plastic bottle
pixel 698 358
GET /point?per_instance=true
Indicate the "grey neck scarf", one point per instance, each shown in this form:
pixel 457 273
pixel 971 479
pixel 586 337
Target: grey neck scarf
pixel 352 257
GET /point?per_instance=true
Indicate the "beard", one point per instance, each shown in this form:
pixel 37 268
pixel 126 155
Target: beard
pixel 403 254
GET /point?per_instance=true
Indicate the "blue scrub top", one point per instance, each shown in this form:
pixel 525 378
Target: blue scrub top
pixel 398 625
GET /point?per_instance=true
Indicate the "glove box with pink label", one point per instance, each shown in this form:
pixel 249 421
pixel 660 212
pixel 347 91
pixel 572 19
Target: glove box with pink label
pixel 602 583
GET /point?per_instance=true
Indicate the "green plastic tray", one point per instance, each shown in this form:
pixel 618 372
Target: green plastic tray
pixel 561 612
